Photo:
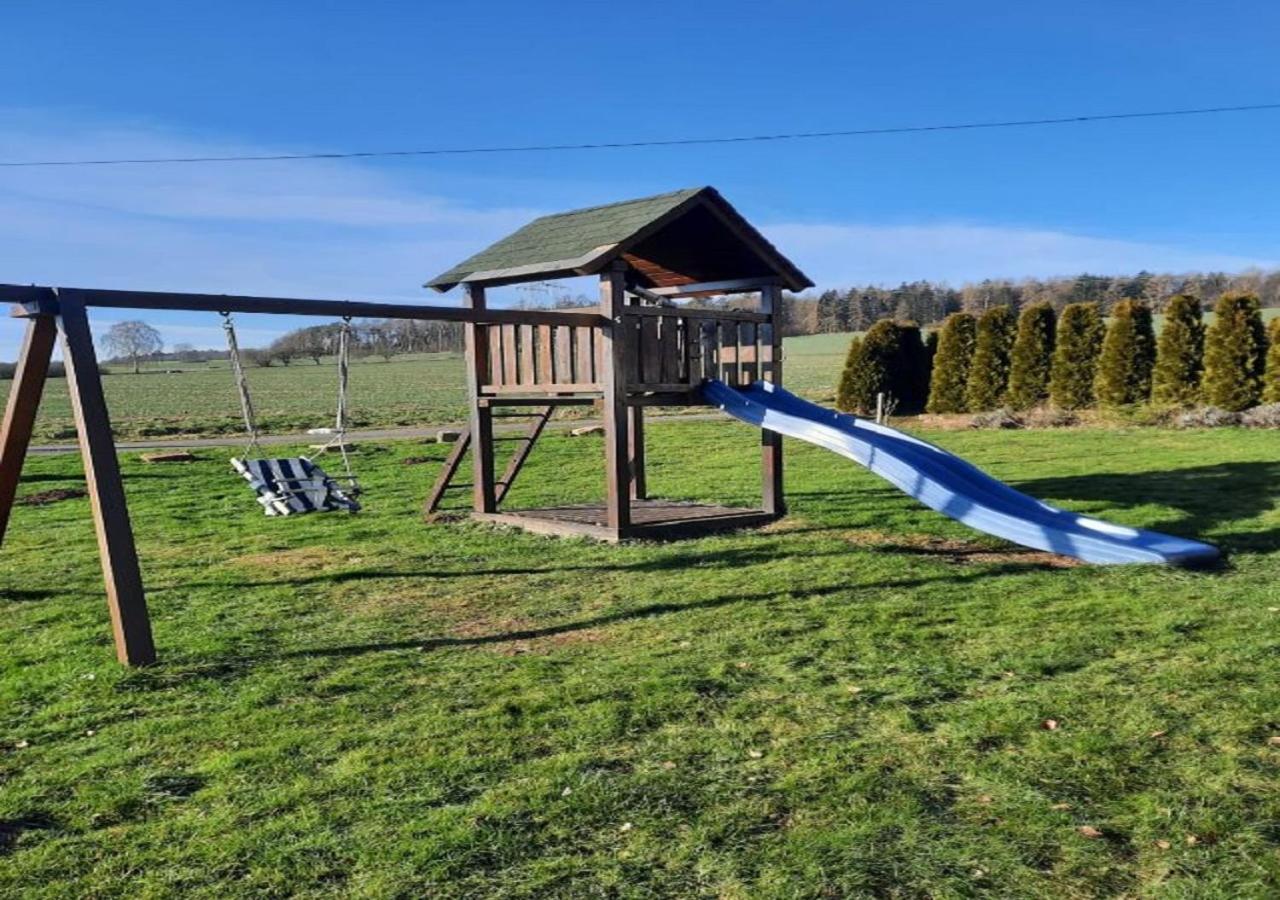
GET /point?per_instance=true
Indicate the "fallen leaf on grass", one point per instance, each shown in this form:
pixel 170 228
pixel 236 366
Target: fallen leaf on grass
pixel 1049 724
pixel 755 754
pixel 1061 806
pixel 1192 840
pixel 1274 740
pixel 985 798
pixel 668 765
pixel 1163 845
pixel 1089 831
pixel 1157 734
pixel 626 826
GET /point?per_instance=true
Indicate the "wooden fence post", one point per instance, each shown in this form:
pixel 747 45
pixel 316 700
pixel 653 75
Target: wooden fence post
pixel 774 499
pixel 613 379
pixel 20 412
pixel 484 495
pixel 130 621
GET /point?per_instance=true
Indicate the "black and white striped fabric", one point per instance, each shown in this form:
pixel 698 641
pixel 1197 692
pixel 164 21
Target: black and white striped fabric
pixel 291 486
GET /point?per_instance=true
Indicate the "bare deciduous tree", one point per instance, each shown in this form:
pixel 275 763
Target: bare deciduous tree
pixel 133 339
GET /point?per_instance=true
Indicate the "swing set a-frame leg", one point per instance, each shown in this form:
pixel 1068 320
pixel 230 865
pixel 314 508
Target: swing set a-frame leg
pixel 126 599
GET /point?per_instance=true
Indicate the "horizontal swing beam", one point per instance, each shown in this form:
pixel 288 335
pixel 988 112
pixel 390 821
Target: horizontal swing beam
pixel 34 300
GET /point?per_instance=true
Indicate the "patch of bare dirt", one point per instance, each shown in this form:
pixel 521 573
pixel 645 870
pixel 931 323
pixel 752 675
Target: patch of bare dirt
pixel 956 552
pixel 300 559
pixel 54 495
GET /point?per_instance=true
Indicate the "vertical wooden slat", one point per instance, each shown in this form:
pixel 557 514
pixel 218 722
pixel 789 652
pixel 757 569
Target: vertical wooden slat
pixel 747 350
pixel 650 355
pixel 510 372
pixel 585 369
pixel 20 412
pixel 546 372
pixel 669 369
pixel 527 355
pixel 493 339
pixel 477 338
pixel 693 351
pixel 773 496
pixel 709 340
pixel 130 620
pixel 729 352
pixel 613 358
pixel 564 354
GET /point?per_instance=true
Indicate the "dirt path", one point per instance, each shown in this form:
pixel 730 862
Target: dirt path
pixel 373 434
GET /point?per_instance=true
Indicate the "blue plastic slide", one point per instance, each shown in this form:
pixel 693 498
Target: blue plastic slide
pixel 955 488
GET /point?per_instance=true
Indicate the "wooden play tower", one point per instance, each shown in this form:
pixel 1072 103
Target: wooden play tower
pixel 640 347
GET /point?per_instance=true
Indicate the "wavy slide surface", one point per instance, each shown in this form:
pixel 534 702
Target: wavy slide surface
pixel 946 483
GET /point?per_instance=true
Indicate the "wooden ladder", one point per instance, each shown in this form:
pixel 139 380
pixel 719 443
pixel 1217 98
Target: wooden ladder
pixel 444 481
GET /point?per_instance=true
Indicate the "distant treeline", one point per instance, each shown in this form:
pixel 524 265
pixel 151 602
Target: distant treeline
pixel 927 303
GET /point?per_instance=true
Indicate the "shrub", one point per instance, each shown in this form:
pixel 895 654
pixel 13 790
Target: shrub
pixel 1271 389
pixel 951 364
pixel 999 418
pixel 890 359
pixel 1032 357
pixel 1128 356
pixel 989 373
pixel 1179 354
pixel 1075 356
pixel 1207 417
pixel 1235 348
pixel 1267 416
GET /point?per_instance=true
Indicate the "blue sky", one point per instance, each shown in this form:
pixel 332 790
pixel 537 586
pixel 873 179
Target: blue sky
pixel 156 79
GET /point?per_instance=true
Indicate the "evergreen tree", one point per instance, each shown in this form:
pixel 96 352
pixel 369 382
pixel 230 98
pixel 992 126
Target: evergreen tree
pixel 1032 356
pixel 1235 348
pixel 989 373
pixel 1075 356
pixel 951 364
pixel 1271 391
pixel 1179 353
pixel 890 359
pixel 1128 356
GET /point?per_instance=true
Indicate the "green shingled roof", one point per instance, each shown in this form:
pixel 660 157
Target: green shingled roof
pixel 565 241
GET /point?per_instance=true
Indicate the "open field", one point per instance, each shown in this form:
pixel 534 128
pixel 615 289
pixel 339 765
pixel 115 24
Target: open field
pixel 854 702
pixel 200 399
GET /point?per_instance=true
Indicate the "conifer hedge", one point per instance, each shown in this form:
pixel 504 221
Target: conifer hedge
pixel 1179 353
pixel 1271 390
pixel 890 359
pixel 1235 350
pixel 989 372
pixel 1032 356
pixel 1075 356
pixel 1128 356
pixel 951 364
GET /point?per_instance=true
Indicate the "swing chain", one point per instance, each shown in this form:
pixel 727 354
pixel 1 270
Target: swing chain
pixel 242 384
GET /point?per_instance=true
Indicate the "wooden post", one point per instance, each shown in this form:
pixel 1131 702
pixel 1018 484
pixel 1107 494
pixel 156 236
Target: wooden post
pixel 20 413
pixel 774 499
pixel 125 598
pixel 613 380
pixel 484 496
pixel 635 452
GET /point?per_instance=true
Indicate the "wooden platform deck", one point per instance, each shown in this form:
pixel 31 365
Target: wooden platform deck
pixel 650 520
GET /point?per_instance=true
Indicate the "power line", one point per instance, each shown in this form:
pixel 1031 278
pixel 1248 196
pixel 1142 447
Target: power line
pixel 671 142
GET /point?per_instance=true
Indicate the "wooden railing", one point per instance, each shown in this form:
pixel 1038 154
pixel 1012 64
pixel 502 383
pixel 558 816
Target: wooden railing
pixel 668 350
pixel 534 359
pixel 675 349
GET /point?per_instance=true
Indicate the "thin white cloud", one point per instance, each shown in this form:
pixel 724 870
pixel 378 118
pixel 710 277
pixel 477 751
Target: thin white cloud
pixel 846 254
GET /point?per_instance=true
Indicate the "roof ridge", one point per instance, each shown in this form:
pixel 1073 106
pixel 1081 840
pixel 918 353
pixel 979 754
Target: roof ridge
pixel 690 191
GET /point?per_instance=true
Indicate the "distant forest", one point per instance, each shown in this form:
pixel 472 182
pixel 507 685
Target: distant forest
pixel 925 302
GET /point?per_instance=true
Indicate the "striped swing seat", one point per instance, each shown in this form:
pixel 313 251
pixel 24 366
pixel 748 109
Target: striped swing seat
pixel 293 485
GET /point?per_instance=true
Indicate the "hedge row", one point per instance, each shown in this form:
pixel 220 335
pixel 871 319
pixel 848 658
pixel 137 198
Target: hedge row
pixel 1073 360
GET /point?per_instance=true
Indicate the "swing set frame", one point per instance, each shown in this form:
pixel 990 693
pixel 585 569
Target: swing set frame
pixel 637 348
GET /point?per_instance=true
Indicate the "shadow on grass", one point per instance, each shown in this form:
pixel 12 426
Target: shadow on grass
pixel 653 610
pixel 1208 497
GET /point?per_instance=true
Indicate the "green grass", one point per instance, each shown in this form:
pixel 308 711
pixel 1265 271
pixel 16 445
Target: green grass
pixel 847 704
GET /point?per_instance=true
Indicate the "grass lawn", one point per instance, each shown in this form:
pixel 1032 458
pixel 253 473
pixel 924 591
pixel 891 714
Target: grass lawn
pixel 854 702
